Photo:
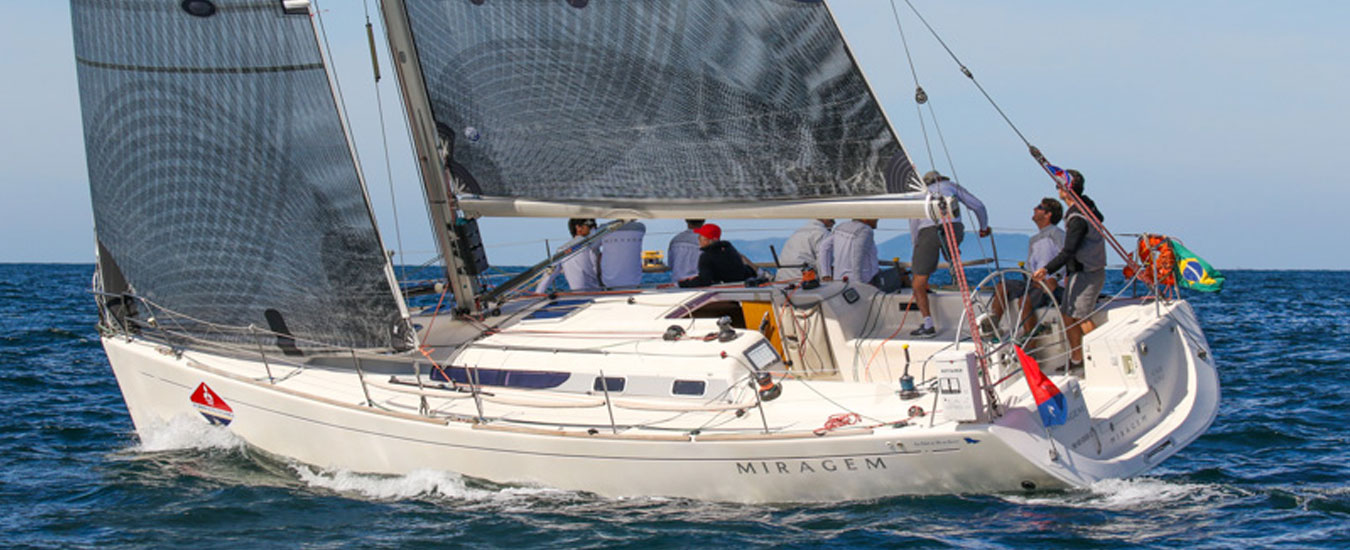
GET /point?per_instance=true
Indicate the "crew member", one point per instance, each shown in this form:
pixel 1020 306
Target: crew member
pixel 803 249
pixel 1084 258
pixel 1043 247
pixel 621 256
pixel 853 248
pixel 580 269
pixel 930 236
pixel 683 252
pixel 718 261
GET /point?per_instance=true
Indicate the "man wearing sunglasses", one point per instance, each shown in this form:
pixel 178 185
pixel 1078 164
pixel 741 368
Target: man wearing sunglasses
pixel 580 269
pixel 1041 249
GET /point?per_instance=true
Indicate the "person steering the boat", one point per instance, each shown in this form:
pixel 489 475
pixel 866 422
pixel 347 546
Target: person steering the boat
pixel 1041 248
pixel 719 261
pixel 1084 258
pixel 930 236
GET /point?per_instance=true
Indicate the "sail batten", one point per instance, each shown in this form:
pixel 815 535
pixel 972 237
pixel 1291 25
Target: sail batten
pixel 223 185
pixel 660 99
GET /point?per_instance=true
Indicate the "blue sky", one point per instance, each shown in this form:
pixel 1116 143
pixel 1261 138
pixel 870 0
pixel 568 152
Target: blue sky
pixel 1221 122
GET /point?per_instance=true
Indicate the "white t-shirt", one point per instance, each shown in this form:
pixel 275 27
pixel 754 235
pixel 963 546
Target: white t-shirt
pixel 683 255
pixel 803 247
pixel 579 269
pixel 621 255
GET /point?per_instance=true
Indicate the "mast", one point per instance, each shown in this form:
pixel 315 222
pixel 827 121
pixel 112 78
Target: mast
pixel 431 154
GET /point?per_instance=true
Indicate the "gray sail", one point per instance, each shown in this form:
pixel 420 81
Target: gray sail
pixel 653 99
pixel 223 184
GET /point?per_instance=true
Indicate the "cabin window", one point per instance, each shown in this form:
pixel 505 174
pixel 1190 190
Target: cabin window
pixel 613 384
pixel 529 379
pixel 689 387
pixel 558 308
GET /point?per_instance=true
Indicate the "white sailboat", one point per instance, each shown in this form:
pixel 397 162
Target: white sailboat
pixel 241 279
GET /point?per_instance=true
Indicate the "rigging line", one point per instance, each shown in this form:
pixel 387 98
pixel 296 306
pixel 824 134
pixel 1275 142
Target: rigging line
pixel 384 139
pixel 896 12
pixel 337 85
pixel 408 134
pixel 951 164
pixel 970 75
pixel 919 96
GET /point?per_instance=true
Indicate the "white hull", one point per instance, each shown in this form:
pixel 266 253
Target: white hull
pixel 318 416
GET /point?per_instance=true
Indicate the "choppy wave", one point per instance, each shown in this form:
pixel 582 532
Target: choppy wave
pixel 1139 494
pixel 73 472
pixel 416 484
pixel 185 432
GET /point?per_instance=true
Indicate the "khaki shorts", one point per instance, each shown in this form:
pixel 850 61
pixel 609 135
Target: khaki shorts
pixel 927 244
pixel 1080 298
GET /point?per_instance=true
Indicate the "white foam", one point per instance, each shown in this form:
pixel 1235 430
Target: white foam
pixel 1128 494
pixel 418 483
pixel 185 432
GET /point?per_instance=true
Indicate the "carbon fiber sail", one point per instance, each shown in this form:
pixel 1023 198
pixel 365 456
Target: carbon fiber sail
pixel 224 187
pixel 652 100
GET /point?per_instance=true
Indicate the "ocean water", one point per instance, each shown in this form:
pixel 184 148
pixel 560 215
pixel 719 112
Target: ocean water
pixel 1271 473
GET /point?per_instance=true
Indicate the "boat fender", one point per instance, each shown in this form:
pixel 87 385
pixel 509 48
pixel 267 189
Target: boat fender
pixel 673 333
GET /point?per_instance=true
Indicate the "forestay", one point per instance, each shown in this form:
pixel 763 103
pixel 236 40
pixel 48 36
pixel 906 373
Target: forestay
pixel 224 187
pixel 651 106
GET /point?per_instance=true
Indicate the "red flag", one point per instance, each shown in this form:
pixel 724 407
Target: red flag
pixel 1049 401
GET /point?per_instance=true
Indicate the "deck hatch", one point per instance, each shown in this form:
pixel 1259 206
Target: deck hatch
pixel 689 387
pixel 558 308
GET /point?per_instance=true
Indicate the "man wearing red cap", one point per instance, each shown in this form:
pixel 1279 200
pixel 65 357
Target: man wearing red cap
pixel 718 261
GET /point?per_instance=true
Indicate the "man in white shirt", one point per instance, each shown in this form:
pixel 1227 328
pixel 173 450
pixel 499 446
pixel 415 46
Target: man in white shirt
pixel 854 252
pixel 930 237
pixel 580 269
pixel 1042 248
pixel 682 253
pixel 621 256
pixel 803 248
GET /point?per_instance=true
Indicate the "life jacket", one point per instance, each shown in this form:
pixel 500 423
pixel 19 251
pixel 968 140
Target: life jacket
pixel 1155 258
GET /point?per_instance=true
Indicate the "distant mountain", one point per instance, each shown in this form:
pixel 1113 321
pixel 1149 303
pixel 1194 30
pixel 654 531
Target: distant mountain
pixel 1012 247
pixel 758 249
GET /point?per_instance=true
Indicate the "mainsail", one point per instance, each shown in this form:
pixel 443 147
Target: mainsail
pixel 224 187
pixel 652 103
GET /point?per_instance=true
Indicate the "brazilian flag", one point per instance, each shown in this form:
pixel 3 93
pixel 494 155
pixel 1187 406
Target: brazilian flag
pixel 1195 273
